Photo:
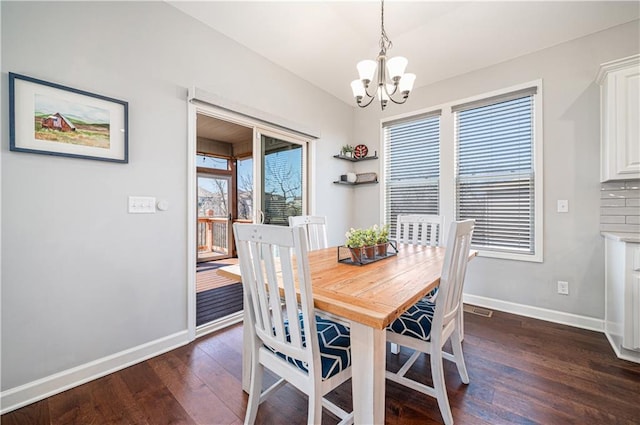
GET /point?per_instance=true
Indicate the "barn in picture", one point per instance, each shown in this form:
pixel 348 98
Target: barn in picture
pixel 58 122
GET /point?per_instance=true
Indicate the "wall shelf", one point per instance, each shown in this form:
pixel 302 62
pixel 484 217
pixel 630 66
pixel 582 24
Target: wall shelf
pixel 352 159
pixel 366 176
pixel 353 184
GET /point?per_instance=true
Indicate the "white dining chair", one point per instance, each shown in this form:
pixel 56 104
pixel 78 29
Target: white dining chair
pixel 419 229
pixel 426 326
pixel 315 227
pixel 311 353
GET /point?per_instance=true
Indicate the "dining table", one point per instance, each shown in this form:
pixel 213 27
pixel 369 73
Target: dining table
pixel 367 298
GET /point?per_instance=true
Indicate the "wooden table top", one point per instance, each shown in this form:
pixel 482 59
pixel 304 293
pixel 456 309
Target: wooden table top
pixel 373 294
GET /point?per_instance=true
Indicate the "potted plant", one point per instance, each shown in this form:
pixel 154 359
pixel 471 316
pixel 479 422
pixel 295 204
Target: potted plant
pixel 347 150
pixel 382 242
pixel 370 238
pixel 355 241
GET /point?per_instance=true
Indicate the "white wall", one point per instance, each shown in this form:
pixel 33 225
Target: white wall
pixel 573 247
pixel 83 280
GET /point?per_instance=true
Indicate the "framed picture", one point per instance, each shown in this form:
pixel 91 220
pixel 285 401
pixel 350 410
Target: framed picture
pixel 52 119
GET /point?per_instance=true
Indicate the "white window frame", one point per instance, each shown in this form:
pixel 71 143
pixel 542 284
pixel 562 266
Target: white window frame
pixel 447 164
pixel 414 117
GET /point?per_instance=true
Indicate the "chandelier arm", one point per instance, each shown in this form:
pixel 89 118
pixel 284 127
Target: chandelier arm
pixel 395 90
pixel 368 103
pixel 399 102
pixel 366 91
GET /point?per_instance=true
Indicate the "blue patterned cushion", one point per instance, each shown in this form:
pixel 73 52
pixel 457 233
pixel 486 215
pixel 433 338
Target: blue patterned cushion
pixel 335 347
pixel 431 296
pixel 416 321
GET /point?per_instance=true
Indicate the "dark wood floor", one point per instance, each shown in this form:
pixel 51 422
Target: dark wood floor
pixel 522 371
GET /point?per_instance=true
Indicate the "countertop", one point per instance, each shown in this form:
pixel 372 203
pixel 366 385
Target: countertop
pixel 622 237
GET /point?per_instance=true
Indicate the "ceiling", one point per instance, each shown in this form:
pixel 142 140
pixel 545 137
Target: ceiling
pixel 222 131
pixel 321 41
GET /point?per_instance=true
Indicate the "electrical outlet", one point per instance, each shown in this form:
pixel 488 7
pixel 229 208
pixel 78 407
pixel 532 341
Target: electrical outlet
pixel 563 206
pixel 563 287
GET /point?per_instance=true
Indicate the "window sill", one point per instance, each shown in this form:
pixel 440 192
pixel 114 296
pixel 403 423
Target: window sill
pixel 536 258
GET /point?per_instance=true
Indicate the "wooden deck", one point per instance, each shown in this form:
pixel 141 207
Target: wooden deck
pixel 210 279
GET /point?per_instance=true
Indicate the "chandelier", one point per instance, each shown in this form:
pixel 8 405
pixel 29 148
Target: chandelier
pixel 400 84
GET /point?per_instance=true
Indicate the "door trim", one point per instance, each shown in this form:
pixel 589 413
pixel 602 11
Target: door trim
pixel 250 114
pixel 192 220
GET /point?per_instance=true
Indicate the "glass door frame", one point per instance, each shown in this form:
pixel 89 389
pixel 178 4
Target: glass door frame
pixel 226 176
pixel 258 172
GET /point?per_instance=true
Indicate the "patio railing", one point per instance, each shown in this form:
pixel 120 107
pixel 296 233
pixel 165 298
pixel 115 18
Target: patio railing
pixel 212 236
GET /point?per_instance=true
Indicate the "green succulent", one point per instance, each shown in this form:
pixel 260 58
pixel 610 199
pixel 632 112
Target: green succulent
pixel 383 234
pixel 347 148
pixel 355 238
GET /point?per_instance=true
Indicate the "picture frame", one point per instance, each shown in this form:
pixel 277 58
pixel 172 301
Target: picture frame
pixel 52 119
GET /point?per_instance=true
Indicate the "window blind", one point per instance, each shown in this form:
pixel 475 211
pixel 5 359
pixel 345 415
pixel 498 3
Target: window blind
pixel 495 173
pixel 412 167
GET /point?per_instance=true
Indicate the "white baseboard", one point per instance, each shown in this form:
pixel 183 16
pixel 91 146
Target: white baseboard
pixel 31 392
pixel 621 352
pixel 570 319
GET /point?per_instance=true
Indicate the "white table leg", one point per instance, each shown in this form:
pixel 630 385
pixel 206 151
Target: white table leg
pixel 246 349
pixel 368 373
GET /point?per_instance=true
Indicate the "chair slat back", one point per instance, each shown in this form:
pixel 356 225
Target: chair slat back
pixel 419 229
pixel 273 261
pixel 315 227
pixel 454 269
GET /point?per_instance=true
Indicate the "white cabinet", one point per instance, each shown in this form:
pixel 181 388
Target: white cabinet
pixel 622 297
pixel 620 119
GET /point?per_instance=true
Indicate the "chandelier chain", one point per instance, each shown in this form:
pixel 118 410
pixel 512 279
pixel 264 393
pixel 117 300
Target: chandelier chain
pixel 385 43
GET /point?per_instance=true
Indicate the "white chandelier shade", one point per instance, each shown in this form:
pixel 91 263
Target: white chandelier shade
pixel 366 69
pixel 396 67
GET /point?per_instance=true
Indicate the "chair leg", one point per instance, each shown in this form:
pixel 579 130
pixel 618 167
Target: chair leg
pixel 440 388
pixel 395 349
pixel 456 345
pixel 315 407
pixel 461 322
pixel 255 390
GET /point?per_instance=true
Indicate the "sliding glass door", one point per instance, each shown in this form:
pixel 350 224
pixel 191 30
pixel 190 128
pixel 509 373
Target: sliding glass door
pixel 245 171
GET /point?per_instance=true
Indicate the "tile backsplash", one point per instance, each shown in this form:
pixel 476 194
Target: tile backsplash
pixel 620 206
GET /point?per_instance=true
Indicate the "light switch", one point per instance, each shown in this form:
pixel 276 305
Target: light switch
pixel 563 205
pixel 142 205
